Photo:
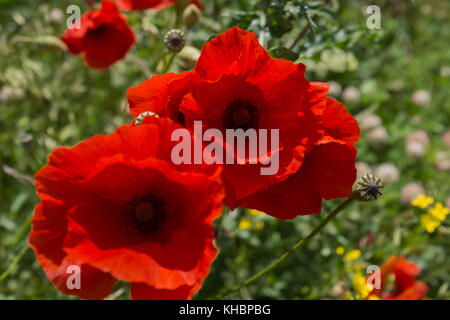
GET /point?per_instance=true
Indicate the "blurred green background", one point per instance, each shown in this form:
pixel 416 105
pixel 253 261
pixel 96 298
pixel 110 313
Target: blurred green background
pixel 395 80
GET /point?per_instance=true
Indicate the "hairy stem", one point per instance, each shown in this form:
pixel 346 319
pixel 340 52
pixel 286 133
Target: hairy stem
pixel 288 253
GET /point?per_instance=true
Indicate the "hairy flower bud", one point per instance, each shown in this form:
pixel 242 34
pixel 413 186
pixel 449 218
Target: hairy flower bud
pixel 189 55
pixel 191 15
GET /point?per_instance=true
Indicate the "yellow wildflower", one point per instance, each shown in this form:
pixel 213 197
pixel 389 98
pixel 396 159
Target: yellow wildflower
pixel 340 250
pixel 422 201
pixel 245 224
pixel 429 222
pixel 439 211
pixel 374 297
pixel 254 212
pixel 353 254
pixel 259 225
pixel 360 286
pixel 347 296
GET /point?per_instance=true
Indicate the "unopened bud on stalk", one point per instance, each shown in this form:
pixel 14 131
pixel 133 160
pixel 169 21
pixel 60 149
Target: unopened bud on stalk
pixel 189 55
pixel 191 15
pixel 369 188
pixel 174 40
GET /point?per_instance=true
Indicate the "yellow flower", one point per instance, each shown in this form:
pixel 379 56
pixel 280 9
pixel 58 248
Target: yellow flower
pixel 347 296
pixel 429 222
pixel 439 211
pixel 360 286
pixel 254 212
pixel 422 201
pixel 353 254
pixel 374 297
pixel 245 224
pixel 259 225
pixel 340 250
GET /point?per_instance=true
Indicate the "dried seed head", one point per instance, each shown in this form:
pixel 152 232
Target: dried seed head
pixel 174 40
pixel 140 119
pixel 369 188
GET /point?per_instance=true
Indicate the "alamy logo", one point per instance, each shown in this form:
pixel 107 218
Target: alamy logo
pixel 73 21
pixel 374 20
pixel 73 281
pixel 374 280
pixel 230 150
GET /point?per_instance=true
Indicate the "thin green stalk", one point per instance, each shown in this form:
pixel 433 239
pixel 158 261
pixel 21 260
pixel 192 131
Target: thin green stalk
pixel 168 63
pixel 16 260
pixel 290 252
pixel 22 231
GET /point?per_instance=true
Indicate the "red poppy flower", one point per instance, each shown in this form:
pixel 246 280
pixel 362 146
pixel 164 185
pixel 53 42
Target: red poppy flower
pixel 237 85
pixel 325 154
pixel 117 207
pixel 104 36
pixel 129 5
pixel 406 285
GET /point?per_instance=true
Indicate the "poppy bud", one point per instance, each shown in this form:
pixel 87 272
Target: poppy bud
pixel 369 188
pixel 189 55
pixel 174 40
pixel 191 15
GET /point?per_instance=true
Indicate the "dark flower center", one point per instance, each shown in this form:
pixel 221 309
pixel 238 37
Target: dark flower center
pixel 241 117
pixel 97 31
pixel 144 212
pixel 148 213
pixel 241 114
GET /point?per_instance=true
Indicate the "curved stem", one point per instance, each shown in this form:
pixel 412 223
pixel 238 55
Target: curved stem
pixel 16 260
pixel 168 63
pixel 290 252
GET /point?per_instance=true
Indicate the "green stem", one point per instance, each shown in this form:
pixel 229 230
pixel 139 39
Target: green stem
pixel 290 252
pixel 22 231
pixel 168 63
pixel 16 260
